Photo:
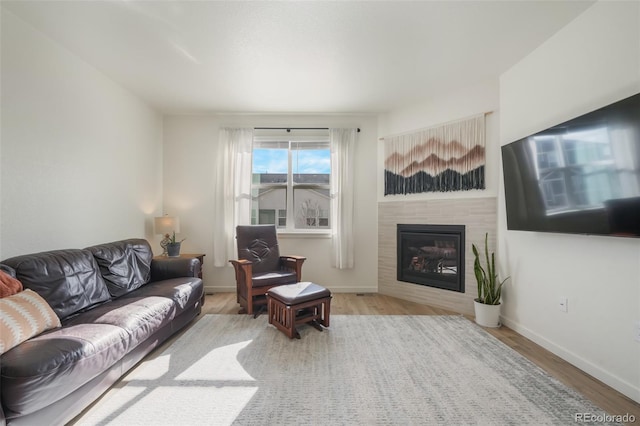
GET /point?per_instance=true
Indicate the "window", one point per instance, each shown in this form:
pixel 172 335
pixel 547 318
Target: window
pixel 290 182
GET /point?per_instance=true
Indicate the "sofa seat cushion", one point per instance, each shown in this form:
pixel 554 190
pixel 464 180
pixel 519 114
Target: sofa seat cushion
pixel 48 367
pixel 125 265
pixel 69 280
pixel 184 292
pixel 139 316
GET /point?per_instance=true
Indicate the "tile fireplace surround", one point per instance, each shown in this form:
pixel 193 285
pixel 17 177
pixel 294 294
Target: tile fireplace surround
pixel 479 215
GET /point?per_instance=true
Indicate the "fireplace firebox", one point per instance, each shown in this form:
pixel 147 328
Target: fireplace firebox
pixel 432 255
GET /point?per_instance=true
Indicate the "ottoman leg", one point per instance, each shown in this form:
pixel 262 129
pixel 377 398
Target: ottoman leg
pixel 291 323
pixel 326 310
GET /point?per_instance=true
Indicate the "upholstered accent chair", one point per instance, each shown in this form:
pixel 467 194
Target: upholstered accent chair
pixel 260 267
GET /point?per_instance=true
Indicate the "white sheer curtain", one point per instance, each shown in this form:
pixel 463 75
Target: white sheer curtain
pixel 232 191
pixel 342 162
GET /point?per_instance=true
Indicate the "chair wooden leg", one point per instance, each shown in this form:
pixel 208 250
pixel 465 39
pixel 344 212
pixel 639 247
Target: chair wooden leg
pixel 315 325
pixel 249 307
pixel 259 311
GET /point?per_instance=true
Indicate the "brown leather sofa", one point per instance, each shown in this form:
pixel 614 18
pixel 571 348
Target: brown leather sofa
pixel 116 304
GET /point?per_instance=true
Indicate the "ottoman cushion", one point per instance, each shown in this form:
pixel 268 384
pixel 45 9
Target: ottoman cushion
pixel 293 294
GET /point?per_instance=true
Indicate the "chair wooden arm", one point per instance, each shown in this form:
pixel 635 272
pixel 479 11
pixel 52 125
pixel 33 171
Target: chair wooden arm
pixel 242 266
pixel 244 272
pixel 294 263
pixel 240 262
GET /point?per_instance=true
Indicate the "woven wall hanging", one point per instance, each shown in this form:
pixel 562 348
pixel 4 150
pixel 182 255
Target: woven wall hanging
pixel 450 157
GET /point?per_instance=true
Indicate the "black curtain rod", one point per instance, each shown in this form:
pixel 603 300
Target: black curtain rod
pixel 288 129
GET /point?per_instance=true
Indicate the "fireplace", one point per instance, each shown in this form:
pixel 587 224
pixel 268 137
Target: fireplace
pixel 432 255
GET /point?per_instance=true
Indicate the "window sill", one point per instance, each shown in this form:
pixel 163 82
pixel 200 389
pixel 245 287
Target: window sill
pixel 304 234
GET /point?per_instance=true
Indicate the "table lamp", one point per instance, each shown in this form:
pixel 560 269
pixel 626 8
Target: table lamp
pixel 166 225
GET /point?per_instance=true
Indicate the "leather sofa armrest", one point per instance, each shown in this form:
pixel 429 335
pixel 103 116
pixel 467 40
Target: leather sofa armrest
pixel 174 267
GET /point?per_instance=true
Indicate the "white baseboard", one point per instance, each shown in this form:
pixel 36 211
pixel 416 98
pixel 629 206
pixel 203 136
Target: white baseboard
pixel 219 289
pixel 357 290
pixel 588 367
pixel 232 289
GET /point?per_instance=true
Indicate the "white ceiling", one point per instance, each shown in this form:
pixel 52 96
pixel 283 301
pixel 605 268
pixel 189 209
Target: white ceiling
pixel 307 56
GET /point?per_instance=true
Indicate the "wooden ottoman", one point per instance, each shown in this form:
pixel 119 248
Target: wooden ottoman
pixel 300 303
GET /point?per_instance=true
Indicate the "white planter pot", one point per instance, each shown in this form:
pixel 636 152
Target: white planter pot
pixel 487 315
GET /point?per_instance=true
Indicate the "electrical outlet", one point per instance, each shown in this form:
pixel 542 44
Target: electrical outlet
pixel 636 330
pixel 563 304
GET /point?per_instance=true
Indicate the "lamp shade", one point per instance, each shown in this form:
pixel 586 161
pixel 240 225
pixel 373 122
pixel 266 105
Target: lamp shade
pixel 167 224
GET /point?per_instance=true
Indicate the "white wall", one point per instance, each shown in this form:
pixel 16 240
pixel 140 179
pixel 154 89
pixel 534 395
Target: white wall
pixel 190 146
pixel 593 61
pixel 81 157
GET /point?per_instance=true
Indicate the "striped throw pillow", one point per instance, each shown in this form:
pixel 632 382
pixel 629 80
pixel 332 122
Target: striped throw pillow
pixel 22 316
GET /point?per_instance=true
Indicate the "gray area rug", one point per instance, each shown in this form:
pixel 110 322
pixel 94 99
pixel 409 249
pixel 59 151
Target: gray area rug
pixel 363 370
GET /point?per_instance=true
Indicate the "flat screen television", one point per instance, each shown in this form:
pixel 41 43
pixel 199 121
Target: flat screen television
pixel 579 177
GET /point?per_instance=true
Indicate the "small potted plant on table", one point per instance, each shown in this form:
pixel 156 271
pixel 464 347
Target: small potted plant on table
pixel 173 247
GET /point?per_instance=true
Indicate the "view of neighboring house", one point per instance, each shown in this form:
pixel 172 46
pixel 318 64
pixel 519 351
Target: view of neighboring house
pixel 310 200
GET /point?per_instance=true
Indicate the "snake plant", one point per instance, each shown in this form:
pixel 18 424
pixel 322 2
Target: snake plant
pixel 489 288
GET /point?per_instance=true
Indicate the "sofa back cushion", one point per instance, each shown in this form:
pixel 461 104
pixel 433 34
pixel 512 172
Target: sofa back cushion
pixel 124 265
pixel 69 280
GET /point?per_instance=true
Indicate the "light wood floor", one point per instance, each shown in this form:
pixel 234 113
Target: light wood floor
pixel 610 400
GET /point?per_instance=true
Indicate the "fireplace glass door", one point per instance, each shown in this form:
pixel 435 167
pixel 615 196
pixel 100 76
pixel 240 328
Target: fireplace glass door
pixel 432 255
